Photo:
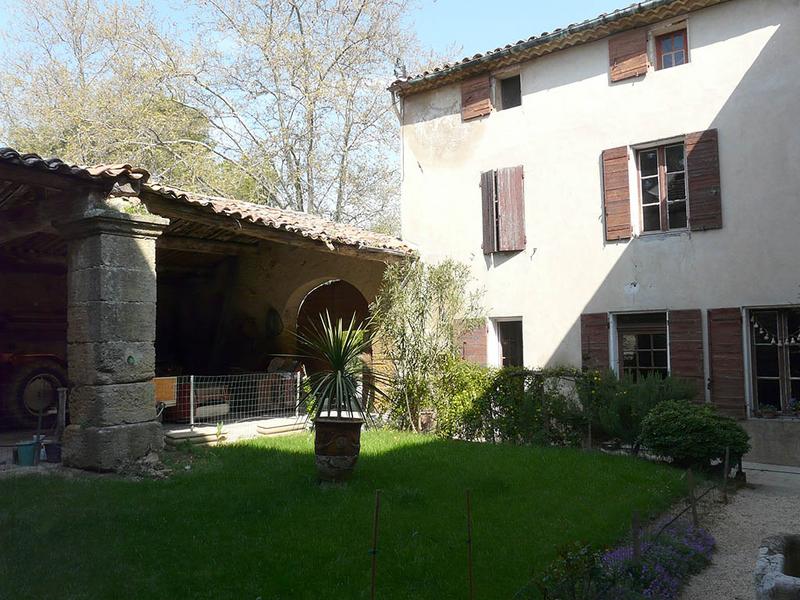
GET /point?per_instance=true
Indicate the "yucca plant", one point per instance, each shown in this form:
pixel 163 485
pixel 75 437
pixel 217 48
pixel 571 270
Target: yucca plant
pixel 339 387
pixel 343 383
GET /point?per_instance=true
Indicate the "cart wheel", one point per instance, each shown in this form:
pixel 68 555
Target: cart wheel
pixel 34 387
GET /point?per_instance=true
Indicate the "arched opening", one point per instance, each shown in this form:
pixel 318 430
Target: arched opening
pixel 341 299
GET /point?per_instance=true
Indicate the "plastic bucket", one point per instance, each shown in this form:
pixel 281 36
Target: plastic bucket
pixel 26 453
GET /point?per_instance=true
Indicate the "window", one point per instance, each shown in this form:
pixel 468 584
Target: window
pixel 503 205
pixel 775 347
pixel 642 340
pixel 671 49
pixel 662 174
pixel 510 92
pixel 509 343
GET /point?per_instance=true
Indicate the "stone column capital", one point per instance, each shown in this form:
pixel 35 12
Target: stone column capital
pixel 105 221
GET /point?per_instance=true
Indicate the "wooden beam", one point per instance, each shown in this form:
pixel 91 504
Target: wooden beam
pixel 177 209
pixel 190 244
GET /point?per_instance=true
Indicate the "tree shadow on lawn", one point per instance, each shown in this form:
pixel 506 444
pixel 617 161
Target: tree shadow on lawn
pixel 250 520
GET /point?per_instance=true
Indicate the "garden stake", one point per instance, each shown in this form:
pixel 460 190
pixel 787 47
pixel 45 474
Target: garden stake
pixel 726 468
pixel 636 534
pixel 374 550
pixel 692 501
pixel 469 548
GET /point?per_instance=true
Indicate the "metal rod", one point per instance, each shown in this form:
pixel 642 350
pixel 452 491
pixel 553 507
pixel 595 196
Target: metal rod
pixel 191 402
pixel 62 413
pixel 636 535
pixel 375 542
pixel 38 447
pixel 726 468
pixel 692 500
pixel 469 548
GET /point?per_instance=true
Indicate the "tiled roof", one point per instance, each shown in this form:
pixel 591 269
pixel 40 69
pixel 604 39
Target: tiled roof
pixel 303 224
pixel 110 172
pixel 635 15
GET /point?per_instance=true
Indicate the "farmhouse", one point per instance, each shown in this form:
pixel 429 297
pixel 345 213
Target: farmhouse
pixel 102 295
pixel 626 191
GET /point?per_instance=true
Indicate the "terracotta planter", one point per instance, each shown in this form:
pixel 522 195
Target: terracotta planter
pixel 337 442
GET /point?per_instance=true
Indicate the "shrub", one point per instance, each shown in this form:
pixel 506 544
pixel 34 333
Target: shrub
pixel 667 560
pixel 458 397
pixel 617 407
pixel 692 434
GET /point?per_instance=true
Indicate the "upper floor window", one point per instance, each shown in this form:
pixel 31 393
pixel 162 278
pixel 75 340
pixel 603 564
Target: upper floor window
pixel 662 175
pixel 510 92
pixel 671 49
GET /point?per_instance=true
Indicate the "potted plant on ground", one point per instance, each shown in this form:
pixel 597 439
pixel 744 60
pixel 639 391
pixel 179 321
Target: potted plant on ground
pixel 337 388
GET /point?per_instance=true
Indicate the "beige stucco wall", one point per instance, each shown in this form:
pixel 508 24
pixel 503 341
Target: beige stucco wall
pixel 743 79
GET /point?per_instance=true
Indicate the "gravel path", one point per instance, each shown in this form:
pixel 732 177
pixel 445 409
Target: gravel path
pixel 767 506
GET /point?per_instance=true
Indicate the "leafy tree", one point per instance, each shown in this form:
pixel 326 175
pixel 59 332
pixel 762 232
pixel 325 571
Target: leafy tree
pixel 420 316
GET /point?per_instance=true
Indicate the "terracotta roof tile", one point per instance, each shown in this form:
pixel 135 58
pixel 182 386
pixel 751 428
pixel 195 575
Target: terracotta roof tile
pixel 114 172
pixel 307 225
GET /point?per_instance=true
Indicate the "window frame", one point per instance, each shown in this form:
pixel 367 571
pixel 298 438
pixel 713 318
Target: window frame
pixel 663 198
pixel 784 377
pixel 496 348
pixel 659 53
pixel 616 357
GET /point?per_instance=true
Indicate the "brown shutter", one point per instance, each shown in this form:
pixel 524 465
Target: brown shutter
pixel 488 195
pixel 616 194
pixel 594 341
pixel 473 345
pixel 686 348
pixel 627 55
pixel 727 361
pixel 475 98
pixel 702 164
pixel 511 209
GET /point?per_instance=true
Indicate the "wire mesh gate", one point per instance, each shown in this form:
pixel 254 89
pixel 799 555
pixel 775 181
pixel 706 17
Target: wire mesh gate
pixel 212 399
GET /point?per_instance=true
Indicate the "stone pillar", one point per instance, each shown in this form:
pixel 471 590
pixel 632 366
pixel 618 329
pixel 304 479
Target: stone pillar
pixel 111 322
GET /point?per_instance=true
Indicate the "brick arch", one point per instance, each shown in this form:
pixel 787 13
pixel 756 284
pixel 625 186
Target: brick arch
pixel 340 298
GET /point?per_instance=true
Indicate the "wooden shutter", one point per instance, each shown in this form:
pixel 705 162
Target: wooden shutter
pixel 476 98
pixel 616 194
pixel 702 165
pixel 686 348
pixel 510 209
pixel 627 55
pixel 473 345
pixel 594 341
pixel 727 361
pixel 488 195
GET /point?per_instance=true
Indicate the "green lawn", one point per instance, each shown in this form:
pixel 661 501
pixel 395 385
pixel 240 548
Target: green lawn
pixel 249 521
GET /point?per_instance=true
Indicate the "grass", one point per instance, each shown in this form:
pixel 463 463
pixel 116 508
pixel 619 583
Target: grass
pixel 250 521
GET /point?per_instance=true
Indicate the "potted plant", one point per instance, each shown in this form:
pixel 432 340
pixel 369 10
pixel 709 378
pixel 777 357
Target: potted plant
pixel 769 412
pixel 337 387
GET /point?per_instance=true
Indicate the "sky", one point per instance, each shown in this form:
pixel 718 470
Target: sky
pixel 480 25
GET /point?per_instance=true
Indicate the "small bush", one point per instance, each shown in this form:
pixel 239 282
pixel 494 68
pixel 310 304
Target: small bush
pixel 692 434
pixel 666 562
pixel 458 397
pixel 617 407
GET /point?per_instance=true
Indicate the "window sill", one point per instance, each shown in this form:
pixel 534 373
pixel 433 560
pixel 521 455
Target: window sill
pixel 777 417
pixel 649 235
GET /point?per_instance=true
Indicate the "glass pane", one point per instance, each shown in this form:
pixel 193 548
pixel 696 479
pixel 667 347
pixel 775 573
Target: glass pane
pixel 643 341
pixel 628 342
pixel 794 361
pixel 677 215
pixel 769 393
pixel 794 401
pixel 680 58
pixel 629 359
pixel 666 44
pixel 648 162
pixel 660 359
pixel 660 341
pixel 767 361
pixel 667 61
pixel 651 218
pixel 678 44
pixel 676 186
pixel 645 359
pixel 793 326
pixel 765 326
pixel 650 190
pixel 674 158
